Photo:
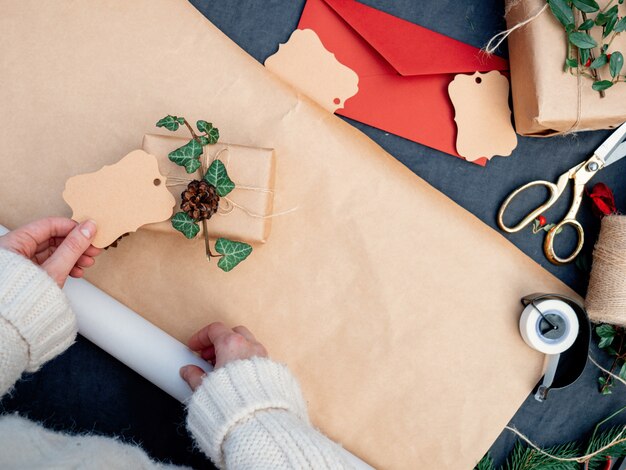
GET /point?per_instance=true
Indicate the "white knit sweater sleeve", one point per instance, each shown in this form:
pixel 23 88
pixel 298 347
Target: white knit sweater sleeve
pixel 251 414
pixel 36 322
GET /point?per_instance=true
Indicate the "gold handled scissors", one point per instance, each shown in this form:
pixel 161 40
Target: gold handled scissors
pixel 611 150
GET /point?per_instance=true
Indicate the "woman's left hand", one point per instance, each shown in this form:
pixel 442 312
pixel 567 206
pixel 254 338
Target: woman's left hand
pixel 59 245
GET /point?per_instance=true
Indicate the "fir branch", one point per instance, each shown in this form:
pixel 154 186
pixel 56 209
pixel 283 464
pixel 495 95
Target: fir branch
pixel 604 439
pixel 527 458
pixel 486 463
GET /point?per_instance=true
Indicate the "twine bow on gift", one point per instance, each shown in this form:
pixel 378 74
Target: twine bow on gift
pixel 230 204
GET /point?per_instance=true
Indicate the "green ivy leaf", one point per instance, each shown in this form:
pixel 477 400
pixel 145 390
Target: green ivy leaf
pixel 213 134
pixel 204 140
pixel 604 342
pixel 171 123
pixel 187 155
pixel 603 18
pixel 610 24
pixel 602 85
pixel 185 224
pixel 620 26
pixel 605 331
pixel 234 253
pixel 599 62
pixel 622 372
pixel 582 40
pixel 218 177
pixel 562 12
pixel 586 25
pixel 587 6
pixel 616 63
pixel 203 126
pixel 584 55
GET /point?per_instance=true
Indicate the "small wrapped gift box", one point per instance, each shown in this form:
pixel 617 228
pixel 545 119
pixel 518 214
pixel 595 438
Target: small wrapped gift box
pixel 546 99
pixel 243 215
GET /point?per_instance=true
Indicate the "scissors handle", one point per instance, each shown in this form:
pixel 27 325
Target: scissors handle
pixel 548 244
pixel 555 192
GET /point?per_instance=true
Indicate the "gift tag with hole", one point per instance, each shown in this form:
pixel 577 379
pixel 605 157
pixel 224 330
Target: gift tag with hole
pixel 120 197
pixel 307 65
pixel 482 115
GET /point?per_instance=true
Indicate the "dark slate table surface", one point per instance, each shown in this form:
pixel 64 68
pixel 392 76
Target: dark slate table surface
pixel 87 390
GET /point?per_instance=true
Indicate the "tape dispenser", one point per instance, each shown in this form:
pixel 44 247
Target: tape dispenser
pixel 558 327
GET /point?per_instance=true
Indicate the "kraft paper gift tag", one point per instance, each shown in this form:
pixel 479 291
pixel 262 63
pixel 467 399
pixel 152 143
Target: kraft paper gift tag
pixel 395 308
pixel 121 197
pixel 305 63
pixel 482 115
pixel 247 212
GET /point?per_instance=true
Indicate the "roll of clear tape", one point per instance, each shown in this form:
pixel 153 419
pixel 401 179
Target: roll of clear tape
pixel 550 326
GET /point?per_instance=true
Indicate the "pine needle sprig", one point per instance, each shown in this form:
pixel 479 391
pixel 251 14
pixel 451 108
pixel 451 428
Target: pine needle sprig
pixel 527 458
pixel 486 463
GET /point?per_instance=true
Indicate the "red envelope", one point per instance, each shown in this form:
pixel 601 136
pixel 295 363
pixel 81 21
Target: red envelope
pixel 404 69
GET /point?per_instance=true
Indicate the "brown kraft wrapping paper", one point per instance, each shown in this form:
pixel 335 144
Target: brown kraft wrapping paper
pixel 546 99
pixel 395 308
pixel 252 171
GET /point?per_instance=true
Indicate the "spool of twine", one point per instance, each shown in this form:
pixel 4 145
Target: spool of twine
pixel 606 296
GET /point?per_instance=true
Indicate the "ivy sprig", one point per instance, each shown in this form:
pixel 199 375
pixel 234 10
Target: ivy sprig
pixel 230 252
pixel 580 42
pixel 612 340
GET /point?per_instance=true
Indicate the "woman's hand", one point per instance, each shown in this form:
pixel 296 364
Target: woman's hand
pixel 59 245
pixel 220 345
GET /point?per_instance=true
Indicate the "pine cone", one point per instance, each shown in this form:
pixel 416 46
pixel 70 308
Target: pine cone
pixel 200 200
pixel 119 239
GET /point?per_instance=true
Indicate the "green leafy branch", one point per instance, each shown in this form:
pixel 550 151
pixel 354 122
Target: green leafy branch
pixel 202 203
pixel 522 457
pixel 612 339
pixel 580 40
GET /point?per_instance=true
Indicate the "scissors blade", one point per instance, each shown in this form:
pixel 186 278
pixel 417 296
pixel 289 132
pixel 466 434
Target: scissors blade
pixel 609 145
pixel 616 155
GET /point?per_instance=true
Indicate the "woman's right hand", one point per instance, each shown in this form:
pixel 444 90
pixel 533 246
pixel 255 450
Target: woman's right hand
pixel 220 345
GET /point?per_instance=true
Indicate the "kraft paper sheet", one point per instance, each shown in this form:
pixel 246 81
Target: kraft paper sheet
pixel 396 308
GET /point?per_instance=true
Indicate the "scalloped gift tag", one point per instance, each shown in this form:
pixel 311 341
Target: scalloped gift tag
pixel 121 197
pixel 482 115
pixel 307 65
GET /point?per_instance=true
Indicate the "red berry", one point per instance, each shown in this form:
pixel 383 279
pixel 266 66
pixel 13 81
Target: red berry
pixel 542 220
pixel 608 57
pixel 588 63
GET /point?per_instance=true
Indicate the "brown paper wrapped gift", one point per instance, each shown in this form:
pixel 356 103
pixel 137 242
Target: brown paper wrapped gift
pixel 395 308
pixel 546 99
pixel 246 213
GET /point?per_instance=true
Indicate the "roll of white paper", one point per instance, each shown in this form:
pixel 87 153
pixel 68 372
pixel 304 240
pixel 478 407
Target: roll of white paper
pixel 136 342
pixel 131 339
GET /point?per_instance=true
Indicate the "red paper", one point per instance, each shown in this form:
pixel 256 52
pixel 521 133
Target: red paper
pixel 404 69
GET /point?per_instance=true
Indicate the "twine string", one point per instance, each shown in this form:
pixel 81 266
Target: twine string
pixel 606 296
pixel 499 38
pixel 583 458
pixel 229 205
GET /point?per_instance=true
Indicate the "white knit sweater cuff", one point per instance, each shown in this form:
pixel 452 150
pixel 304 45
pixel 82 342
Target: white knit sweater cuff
pixel 33 303
pixel 235 392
